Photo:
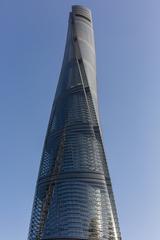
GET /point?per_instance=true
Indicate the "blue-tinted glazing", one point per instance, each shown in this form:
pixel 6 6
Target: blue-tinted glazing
pixel 74 198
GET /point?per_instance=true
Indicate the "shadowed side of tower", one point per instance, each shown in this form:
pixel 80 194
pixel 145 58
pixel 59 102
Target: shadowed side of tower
pixel 73 198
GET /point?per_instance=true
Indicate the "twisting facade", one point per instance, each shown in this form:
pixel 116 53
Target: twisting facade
pixel 73 198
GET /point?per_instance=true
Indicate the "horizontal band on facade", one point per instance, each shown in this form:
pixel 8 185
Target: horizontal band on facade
pixel 72 131
pixel 78 125
pixel 64 239
pixel 86 18
pixel 72 90
pixel 84 176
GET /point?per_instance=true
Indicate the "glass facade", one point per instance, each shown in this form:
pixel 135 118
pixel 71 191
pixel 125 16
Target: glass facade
pixel 74 198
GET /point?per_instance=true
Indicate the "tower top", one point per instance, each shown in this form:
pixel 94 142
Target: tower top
pixel 82 11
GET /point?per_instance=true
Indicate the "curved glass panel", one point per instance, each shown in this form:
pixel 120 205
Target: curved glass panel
pixel 74 198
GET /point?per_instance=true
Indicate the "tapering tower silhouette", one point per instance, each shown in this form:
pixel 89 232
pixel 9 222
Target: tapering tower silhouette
pixel 74 198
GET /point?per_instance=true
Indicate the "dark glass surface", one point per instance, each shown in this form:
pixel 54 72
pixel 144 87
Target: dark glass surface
pixel 74 198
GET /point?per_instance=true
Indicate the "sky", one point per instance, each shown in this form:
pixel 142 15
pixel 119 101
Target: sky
pixel 32 41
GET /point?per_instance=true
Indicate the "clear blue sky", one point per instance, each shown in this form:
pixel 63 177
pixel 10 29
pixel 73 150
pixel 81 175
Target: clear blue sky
pixel 127 35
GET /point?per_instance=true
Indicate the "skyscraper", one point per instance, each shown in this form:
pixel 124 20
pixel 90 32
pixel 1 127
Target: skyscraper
pixel 74 198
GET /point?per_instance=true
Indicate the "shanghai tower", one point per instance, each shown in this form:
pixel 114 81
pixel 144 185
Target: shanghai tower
pixel 73 198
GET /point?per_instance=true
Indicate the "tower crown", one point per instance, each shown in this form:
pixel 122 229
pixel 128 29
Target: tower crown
pixel 82 11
